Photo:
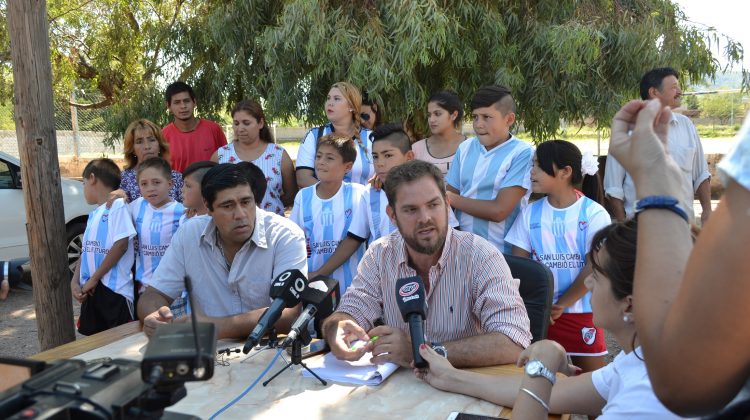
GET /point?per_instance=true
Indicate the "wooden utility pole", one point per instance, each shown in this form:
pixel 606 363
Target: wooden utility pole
pixel 40 170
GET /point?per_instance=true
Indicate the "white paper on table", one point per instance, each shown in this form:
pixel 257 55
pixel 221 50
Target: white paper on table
pixel 360 372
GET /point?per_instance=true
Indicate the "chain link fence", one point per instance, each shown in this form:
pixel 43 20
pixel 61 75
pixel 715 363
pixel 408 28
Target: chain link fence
pixel 80 131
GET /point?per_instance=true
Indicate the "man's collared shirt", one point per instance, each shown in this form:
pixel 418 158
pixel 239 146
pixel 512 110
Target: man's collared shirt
pixel 686 149
pixel 471 290
pixel 276 245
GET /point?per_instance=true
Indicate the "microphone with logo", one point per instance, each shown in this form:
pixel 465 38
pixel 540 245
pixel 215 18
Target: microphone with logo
pixel 320 299
pixel 410 297
pixel 285 292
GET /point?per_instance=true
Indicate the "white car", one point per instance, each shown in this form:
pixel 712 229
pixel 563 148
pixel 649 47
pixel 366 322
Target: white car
pixel 13 241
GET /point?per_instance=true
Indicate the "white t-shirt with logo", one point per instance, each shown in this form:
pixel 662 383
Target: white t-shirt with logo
pixel 326 223
pixel 155 228
pixel 103 228
pixel 560 239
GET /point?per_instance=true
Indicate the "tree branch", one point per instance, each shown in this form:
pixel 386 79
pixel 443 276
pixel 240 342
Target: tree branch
pixel 152 67
pixel 79 7
pixel 101 104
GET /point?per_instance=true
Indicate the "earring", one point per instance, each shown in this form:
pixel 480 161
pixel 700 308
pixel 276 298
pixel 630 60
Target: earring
pixel 628 317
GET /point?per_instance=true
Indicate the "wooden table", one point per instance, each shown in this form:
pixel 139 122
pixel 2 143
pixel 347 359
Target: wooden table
pixel 289 395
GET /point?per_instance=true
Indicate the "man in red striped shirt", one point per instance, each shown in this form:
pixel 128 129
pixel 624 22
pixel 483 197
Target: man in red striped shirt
pixel 475 312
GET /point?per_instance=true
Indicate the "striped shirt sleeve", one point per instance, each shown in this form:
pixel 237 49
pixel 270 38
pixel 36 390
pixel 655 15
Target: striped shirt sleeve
pixel 363 300
pixel 498 305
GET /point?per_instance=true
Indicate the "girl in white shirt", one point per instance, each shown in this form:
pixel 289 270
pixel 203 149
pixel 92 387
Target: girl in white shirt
pixel 620 390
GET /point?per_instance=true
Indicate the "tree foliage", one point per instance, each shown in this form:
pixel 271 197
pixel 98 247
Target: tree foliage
pixel 564 60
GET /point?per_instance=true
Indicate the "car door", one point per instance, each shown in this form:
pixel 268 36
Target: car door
pixel 13 240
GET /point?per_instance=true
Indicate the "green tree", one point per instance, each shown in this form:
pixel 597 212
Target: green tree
pixel 724 106
pixel 566 59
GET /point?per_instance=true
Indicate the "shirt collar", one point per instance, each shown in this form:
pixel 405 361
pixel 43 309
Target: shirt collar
pixel 402 258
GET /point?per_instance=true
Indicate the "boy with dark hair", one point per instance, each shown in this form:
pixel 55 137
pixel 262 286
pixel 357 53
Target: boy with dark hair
pixel 102 281
pixel 325 210
pixel 683 144
pixel 489 180
pixel 391 147
pixel 190 139
pixel 191 189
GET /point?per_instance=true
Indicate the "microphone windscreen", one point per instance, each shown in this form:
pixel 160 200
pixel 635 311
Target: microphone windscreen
pixel 410 297
pixel 288 286
pixel 323 292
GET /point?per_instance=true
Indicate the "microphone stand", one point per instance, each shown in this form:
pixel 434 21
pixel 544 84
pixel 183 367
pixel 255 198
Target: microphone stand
pixel 302 340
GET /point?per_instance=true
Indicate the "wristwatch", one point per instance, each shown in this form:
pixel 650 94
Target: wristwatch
pixel 535 368
pixel 439 349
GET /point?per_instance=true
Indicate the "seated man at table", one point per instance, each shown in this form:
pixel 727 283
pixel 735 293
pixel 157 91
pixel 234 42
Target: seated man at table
pixel 231 257
pixel 474 309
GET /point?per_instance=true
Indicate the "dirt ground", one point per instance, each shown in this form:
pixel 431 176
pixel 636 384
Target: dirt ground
pixel 18 330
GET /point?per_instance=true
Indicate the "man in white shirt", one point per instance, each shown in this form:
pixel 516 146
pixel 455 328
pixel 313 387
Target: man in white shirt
pixel 684 146
pixel 231 257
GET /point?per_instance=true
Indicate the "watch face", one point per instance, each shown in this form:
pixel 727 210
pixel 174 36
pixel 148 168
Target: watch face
pixel 534 368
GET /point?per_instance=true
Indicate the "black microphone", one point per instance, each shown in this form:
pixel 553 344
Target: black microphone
pixel 410 297
pixel 320 299
pixel 285 292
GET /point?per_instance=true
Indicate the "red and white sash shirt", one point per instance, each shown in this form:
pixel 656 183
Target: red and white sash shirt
pixel 471 290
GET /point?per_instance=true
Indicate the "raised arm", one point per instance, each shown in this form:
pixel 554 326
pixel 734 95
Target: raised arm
pixel 689 306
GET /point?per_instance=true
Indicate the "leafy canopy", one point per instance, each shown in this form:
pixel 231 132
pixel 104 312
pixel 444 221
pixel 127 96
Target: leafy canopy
pixel 565 59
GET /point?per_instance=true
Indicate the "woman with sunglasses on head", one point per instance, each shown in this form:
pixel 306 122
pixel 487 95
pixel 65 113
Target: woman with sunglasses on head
pixel 343 108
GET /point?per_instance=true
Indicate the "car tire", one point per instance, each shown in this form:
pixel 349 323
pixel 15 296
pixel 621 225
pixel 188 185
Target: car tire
pixel 74 244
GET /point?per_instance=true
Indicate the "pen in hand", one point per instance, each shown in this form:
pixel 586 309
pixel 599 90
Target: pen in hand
pixel 360 344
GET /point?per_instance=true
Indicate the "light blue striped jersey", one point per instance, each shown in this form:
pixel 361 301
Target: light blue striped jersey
pixel 371 222
pixel 103 228
pixel 155 228
pixel 362 169
pixel 270 163
pixel 560 239
pixel 325 223
pixel 480 174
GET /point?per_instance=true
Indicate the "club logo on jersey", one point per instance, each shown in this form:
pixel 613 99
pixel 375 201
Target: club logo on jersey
pixel 583 225
pixel 408 289
pixel 588 335
pixel 348 213
pixel 105 217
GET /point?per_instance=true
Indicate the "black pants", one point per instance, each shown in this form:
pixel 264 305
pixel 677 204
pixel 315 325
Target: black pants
pixel 103 310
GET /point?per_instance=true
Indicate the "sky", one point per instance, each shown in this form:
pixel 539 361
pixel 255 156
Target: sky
pixel 729 17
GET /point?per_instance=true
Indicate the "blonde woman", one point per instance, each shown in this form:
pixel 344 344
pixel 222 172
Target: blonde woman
pixel 343 108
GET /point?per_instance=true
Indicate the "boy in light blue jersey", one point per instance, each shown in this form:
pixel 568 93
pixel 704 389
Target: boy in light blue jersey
pixel 102 281
pixel 391 147
pixel 488 182
pixel 155 215
pixel 326 209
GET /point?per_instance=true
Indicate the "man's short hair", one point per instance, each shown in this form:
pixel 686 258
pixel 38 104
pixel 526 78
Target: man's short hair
pixel 344 145
pixel 256 178
pixel 499 96
pixel 178 87
pixel 222 177
pixel 409 172
pixel 198 169
pixel 394 133
pixel 654 79
pixel 105 170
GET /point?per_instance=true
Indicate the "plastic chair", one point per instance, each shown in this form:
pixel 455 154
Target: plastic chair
pixel 536 289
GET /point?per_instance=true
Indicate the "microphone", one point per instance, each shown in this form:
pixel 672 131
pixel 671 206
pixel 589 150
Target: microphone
pixel 410 297
pixel 320 299
pixel 285 292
